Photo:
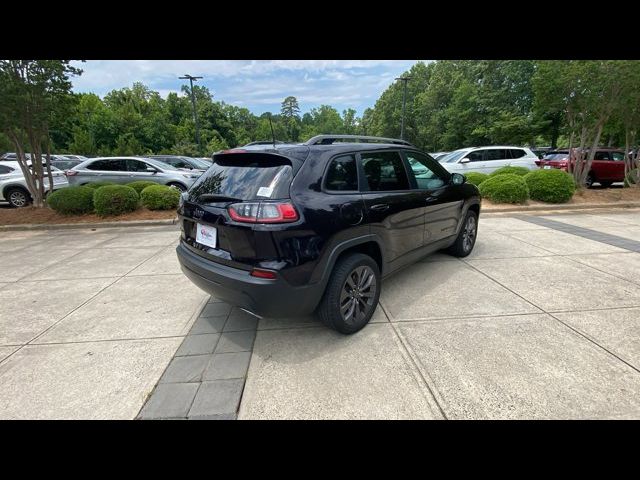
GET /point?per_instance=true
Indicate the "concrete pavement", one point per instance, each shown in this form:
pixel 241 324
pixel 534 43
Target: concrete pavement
pixel 538 322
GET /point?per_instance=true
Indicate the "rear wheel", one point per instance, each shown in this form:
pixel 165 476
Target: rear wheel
pixel 17 197
pixel 588 182
pixel 179 186
pixel 351 295
pixel 467 237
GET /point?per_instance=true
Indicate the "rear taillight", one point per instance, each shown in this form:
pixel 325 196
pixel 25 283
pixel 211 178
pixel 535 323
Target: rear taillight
pixel 70 173
pixel 262 212
pixel 259 273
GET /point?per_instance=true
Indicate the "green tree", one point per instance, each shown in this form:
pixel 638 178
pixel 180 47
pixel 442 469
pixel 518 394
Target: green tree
pixel 34 93
pixel 290 113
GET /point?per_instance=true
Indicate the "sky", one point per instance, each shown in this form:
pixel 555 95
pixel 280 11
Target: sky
pixel 259 85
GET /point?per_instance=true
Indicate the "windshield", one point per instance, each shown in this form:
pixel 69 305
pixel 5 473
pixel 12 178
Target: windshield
pixel 556 156
pixel 200 163
pixel 453 156
pixel 159 164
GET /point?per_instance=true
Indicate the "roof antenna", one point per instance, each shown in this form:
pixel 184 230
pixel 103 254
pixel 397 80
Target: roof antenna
pixel 273 135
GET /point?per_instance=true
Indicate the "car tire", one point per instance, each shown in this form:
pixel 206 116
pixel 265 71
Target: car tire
pixel 606 184
pixel 17 197
pixel 177 185
pixel 588 182
pixel 351 295
pixel 466 239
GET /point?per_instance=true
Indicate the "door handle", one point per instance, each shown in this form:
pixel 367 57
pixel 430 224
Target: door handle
pixel 381 207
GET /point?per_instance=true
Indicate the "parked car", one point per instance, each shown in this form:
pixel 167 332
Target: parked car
pixel 130 169
pixel 541 151
pixel 607 166
pixel 208 160
pixel 438 155
pixel 187 163
pixel 316 226
pixel 13 185
pixel 74 157
pixel 488 159
pixel 65 164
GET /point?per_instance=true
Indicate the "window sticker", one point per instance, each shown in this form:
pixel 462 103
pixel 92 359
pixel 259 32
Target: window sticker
pixel 265 192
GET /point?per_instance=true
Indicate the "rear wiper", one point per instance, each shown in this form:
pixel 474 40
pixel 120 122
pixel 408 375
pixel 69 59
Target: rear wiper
pixel 212 197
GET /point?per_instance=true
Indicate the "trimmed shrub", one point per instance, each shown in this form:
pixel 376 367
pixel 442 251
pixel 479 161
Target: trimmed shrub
pixel 507 188
pixel 71 200
pixel 140 185
pixel 522 171
pixel 115 200
pixel 96 185
pixel 160 197
pixel 476 178
pixel 552 186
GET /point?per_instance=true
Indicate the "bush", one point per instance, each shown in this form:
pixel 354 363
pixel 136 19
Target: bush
pixel 522 171
pixel 71 200
pixel 552 186
pixel 160 197
pixel 506 188
pixel 476 178
pixel 140 185
pixel 115 200
pixel 631 177
pixel 96 185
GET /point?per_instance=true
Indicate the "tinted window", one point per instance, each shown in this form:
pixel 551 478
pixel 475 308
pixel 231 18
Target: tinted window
pixel 136 166
pixel 476 156
pixel 384 171
pixel 497 154
pixel 342 174
pixel 4 169
pixel 424 171
pixel 110 165
pixel 601 156
pixel 245 177
pixel 617 156
pixel 517 153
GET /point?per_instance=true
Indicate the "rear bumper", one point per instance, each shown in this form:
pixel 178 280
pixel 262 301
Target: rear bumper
pixel 266 298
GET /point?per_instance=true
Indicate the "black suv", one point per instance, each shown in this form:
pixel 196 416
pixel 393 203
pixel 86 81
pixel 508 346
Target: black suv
pixel 287 230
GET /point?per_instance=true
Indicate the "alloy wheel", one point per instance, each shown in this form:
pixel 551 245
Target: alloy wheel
pixel 18 198
pixel 469 234
pixel 358 294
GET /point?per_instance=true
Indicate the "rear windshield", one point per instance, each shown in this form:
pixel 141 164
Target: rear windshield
pixel 245 177
pixel 556 156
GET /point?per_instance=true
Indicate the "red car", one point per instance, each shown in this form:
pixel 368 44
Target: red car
pixel 607 166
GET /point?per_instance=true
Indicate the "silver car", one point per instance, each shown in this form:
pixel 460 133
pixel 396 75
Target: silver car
pixel 130 169
pixel 488 159
pixel 13 185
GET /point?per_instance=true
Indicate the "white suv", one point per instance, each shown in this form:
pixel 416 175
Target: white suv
pixel 13 186
pixel 488 159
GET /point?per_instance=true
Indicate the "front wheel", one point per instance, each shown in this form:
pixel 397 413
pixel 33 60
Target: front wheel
pixel 467 237
pixel 179 186
pixel 351 295
pixel 17 197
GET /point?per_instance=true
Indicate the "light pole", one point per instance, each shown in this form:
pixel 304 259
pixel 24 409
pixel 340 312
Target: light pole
pixel 404 79
pixel 195 113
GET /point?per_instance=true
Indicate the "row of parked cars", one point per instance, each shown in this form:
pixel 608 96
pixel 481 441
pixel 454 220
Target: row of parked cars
pixel 181 171
pixel 607 166
pixel 172 170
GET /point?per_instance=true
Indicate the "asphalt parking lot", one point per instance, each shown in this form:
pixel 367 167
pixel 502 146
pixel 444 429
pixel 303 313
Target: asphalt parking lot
pixel 541 321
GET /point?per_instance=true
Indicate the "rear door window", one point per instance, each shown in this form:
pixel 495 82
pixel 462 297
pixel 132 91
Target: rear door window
pixel 245 176
pixel 601 156
pixel 342 174
pixel 384 172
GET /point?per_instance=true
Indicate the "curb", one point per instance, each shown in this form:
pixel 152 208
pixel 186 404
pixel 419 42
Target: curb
pixel 551 206
pixel 63 226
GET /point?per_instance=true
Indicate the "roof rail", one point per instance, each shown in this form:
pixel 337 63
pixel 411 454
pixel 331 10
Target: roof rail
pixel 330 139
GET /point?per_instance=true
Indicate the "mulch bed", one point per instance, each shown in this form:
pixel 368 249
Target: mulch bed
pixel 596 194
pixel 32 215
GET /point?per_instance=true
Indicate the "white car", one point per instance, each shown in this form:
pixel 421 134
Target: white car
pixel 13 185
pixel 488 159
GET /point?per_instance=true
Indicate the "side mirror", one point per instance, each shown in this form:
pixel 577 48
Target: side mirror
pixel 464 160
pixel 458 179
